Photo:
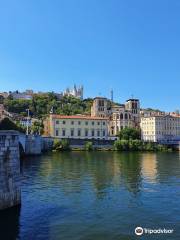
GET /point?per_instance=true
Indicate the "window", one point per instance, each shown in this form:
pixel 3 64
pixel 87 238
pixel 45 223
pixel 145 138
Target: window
pixel 86 132
pixel 79 123
pixel 92 123
pixel 104 133
pixel 92 132
pixel 98 123
pixel 121 116
pixel 64 122
pixel 72 132
pixel 57 133
pixel 72 122
pixel 98 133
pixel 64 132
pixel 86 123
pixel 79 132
pixel 104 123
pixel 57 122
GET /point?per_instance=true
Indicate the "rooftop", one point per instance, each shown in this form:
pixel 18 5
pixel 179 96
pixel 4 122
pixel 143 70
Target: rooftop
pixel 78 117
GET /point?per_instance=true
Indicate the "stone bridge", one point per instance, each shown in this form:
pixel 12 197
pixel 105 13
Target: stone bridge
pixel 31 144
pixel 10 193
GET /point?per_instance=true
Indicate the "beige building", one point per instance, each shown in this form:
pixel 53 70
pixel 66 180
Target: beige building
pixel 120 116
pixel 101 107
pixel 160 128
pixel 119 119
pixel 77 127
pixel 133 106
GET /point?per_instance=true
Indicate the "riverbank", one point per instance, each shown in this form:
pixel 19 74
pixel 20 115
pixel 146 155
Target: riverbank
pixel 118 145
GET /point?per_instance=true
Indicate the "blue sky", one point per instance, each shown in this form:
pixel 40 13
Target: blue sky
pixel 130 46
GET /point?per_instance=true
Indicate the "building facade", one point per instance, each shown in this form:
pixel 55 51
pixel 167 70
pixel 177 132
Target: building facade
pixel 160 128
pixel 76 127
pixel 119 119
pixel 133 106
pixel 101 107
pixel 120 115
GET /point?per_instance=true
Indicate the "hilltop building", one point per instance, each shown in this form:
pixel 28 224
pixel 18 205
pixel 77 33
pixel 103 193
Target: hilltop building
pixel 75 92
pixel 27 95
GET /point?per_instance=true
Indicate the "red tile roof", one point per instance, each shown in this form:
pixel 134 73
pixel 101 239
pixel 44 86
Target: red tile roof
pixel 78 117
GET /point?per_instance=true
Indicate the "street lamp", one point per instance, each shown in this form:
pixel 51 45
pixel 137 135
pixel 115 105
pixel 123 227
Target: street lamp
pixel 27 125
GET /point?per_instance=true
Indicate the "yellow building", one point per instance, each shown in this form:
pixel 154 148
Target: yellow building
pixel 77 127
pixel 160 128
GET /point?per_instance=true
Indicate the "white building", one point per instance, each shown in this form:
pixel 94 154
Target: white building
pixel 75 92
pixel 160 128
pixel 77 127
pixel 24 96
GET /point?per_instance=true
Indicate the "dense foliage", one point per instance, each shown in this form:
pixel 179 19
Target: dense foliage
pixel 88 146
pixel 37 127
pixel 138 145
pixel 129 133
pixel 42 104
pixel 61 145
pixel 7 124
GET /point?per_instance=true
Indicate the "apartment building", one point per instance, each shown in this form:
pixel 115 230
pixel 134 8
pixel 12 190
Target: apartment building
pixel 160 128
pixel 77 127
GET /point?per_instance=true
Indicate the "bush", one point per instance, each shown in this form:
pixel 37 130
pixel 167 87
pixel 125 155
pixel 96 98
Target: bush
pixel 135 145
pixel 121 145
pixel 138 145
pixel 88 146
pixel 61 145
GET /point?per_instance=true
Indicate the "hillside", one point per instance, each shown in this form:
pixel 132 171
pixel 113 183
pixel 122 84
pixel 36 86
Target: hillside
pixel 41 105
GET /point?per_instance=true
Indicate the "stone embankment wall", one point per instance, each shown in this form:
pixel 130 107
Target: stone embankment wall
pixel 33 145
pixel 10 193
pixel 47 143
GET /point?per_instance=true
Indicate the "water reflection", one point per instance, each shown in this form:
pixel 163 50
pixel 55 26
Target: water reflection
pixel 96 195
pixel 149 166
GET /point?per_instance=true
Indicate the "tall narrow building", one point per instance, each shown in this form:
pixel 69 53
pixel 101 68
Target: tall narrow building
pixel 133 105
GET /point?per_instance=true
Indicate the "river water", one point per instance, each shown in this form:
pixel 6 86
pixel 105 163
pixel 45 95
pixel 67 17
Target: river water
pixel 96 196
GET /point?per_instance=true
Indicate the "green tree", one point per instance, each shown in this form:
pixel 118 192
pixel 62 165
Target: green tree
pixel 37 127
pixel 129 133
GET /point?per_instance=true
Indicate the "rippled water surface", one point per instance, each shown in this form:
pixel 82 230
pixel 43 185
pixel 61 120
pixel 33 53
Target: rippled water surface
pixel 94 196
